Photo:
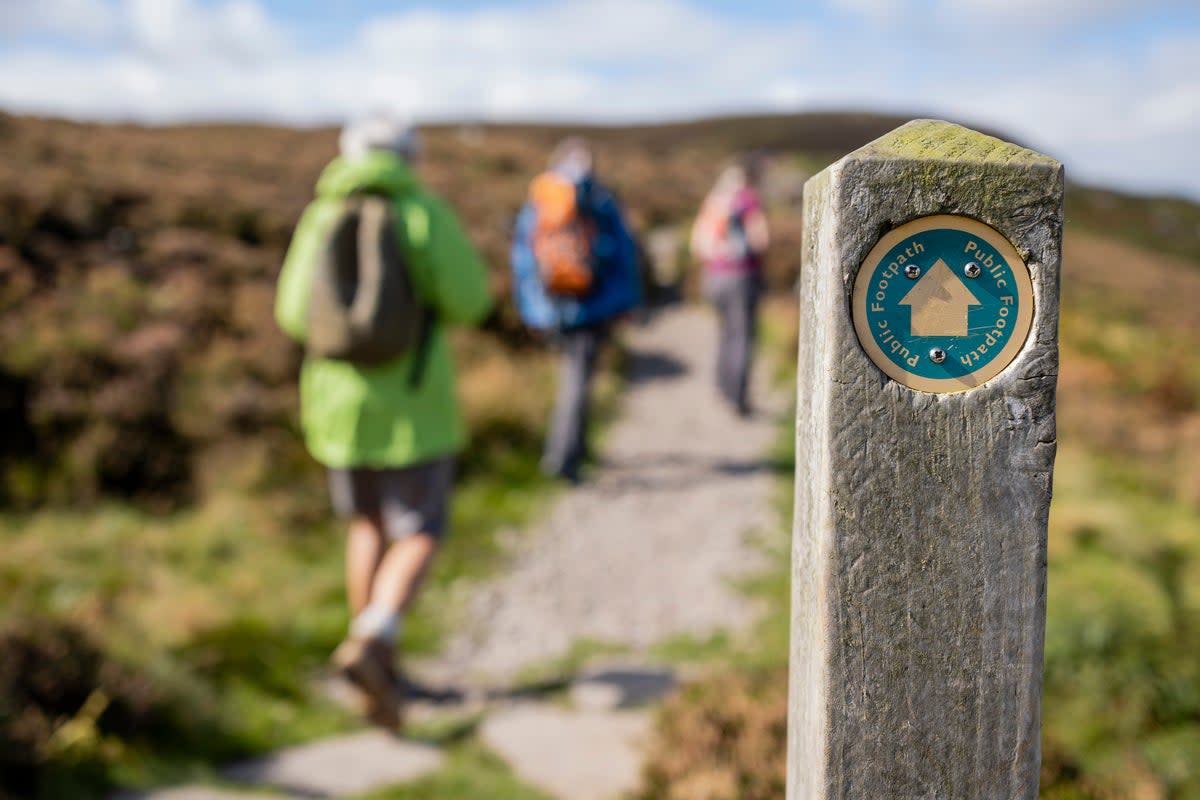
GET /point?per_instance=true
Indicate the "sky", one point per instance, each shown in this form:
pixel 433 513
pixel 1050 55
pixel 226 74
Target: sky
pixel 1109 87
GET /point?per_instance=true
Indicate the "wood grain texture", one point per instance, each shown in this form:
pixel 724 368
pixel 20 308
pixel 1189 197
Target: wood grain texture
pixel 920 530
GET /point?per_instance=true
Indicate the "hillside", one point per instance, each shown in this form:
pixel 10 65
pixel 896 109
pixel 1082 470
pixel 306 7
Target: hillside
pixel 138 269
pixel 148 418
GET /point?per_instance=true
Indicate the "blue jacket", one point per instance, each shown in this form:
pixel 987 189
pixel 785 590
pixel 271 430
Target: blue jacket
pixel 617 288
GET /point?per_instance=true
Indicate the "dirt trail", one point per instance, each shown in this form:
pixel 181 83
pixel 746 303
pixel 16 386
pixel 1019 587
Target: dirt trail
pixel 649 546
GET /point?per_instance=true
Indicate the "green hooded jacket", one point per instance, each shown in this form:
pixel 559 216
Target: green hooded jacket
pixel 368 416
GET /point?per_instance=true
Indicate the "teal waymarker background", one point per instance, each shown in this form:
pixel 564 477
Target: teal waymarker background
pixel 949 245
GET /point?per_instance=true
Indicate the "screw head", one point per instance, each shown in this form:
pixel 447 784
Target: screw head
pixel 912 272
pixel 972 270
pixel 937 355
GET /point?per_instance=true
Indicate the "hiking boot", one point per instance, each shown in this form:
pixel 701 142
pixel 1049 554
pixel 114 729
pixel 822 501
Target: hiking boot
pixel 366 664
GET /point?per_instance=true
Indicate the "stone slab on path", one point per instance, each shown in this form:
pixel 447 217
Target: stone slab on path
pixel 340 767
pixel 573 755
pixel 191 793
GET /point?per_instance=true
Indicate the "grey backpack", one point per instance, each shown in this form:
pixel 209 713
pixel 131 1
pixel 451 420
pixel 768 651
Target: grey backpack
pixel 364 306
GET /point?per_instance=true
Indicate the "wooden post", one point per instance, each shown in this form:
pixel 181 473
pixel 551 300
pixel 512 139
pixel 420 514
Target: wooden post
pixel 925 443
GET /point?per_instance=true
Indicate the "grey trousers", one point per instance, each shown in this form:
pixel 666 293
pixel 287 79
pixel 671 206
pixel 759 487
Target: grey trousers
pixel 736 298
pixel 566 441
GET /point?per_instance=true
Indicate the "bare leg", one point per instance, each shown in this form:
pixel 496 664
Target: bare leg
pixel 381 577
pixel 365 547
pixel 401 571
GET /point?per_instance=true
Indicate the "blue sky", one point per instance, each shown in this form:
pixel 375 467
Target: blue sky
pixel 1110 87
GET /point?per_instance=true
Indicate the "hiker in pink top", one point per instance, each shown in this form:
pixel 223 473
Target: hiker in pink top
pixel 730 240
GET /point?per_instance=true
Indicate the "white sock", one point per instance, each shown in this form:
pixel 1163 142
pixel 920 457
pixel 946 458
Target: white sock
pixel 376 622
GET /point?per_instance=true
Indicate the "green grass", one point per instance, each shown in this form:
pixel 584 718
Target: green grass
pixel 470 773
pixel 1121 711
pixel 226 610
pixel 219 610
pixel 694 649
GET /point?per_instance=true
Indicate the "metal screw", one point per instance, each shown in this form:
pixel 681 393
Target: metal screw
pixel 937 355
pixel 912 272
pixel 972 270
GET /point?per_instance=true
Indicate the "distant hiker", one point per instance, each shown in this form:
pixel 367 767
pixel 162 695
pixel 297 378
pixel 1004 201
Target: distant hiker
pixel 575 269
pixel 730 239
pixel 376 269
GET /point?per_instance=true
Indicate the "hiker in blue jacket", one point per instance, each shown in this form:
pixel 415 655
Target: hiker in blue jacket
pixel 579 316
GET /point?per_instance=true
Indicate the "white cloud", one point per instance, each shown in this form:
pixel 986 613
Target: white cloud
pixel 1129 122
pixel 174 31
pixel 564 51
pixel 87 20
pixel 1109 116
pixel 1046 14
pixel 594 59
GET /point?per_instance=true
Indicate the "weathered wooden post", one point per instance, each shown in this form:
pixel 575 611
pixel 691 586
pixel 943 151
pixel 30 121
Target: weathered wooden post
pixel 925 447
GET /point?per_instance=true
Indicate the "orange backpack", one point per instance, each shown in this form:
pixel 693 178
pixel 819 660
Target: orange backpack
pixel 562 239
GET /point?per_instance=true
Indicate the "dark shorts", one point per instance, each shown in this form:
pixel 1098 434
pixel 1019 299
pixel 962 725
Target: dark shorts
pixel 407 499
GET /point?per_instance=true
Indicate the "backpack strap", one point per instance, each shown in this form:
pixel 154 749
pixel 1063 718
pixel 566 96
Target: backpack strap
pixel 555 199
pixel 420 358
pixel 416 372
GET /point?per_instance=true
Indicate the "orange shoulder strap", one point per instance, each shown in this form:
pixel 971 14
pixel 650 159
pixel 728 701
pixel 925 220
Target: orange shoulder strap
pixel 554 199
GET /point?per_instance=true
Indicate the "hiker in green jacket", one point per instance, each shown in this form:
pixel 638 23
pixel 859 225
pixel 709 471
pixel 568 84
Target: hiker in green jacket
pixel 388 440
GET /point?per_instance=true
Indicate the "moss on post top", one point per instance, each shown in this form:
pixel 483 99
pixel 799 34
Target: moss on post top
pixel 934 139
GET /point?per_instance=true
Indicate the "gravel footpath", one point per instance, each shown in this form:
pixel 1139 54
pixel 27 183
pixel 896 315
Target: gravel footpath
pixel 646 549
pixel 648 546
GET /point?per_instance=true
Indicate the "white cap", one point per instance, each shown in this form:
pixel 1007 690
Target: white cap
pixel 572 158
pixel 379 132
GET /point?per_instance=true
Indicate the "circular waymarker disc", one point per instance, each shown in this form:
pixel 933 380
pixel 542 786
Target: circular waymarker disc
pixel 943 303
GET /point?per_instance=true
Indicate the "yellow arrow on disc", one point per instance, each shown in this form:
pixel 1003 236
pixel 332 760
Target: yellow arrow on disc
pixel 939 303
